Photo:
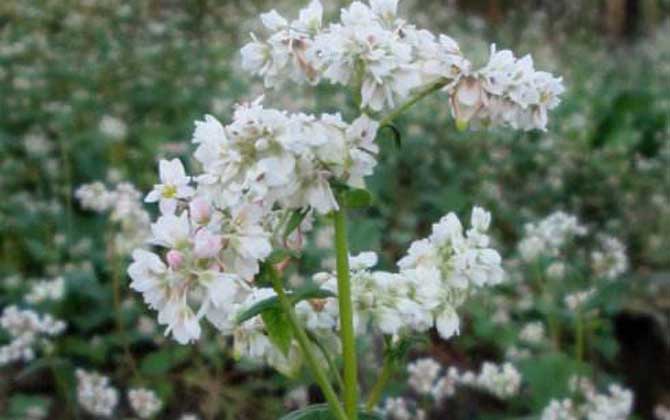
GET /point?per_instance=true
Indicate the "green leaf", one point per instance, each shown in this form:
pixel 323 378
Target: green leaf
pixel 278 328
pixel 397 138
pixel 21 404
pixel 296 218
pixel 160 362
pixel 310 292
pixel 357 198
pixel 279 255
pixel 322 412
pixel 40 364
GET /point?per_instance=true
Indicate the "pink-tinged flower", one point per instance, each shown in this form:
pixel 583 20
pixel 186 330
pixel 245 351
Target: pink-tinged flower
pixel 200 210
pixel 175 259
pixel 206 244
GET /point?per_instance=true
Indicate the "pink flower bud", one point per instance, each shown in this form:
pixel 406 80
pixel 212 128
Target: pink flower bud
pixel 174 259
pixel 200 210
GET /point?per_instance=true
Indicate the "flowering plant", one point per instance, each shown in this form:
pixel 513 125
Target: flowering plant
pixel 229 232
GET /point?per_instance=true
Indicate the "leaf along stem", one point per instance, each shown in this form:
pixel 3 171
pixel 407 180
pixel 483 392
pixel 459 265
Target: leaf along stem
pixel 306 346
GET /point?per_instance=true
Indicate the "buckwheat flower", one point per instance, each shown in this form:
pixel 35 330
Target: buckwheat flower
pixel 296 398
pixel 556 270
pixel 532 332
pixel 113 127
pixel 548 236
pixel 450 265
pixel 144 402
pixel 95 394
pixel 94 196
pixel 445 386
pixel 422 375
pixel 28 332
pixel 46 290
pixel 577 299
pixel 284 51
pixel 174 186
pixel 559 410
pixel 611 261
pixel 661 412
pixel 503 381
pixel 396 409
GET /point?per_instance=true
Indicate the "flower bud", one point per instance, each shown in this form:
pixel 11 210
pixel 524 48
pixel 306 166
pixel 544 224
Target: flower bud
pixel 200 210
pixel 175 259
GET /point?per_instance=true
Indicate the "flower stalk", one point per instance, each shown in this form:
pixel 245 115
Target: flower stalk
pixel 350 391
pixel 306 347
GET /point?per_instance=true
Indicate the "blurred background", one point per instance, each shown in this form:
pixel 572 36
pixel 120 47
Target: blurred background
pixel 99 90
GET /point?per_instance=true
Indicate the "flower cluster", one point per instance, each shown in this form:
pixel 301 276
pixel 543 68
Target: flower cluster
pixel 616 404
pixel 532 332
pixel 434 279
pixel 387 59
pixel 124 204
pixel 26 330
pixel 279 158
pixel 144 402
pixel 611 261
pixel 95 394
pixel 548 236
pixel 399 408
pixel 503 381
pixel 43 290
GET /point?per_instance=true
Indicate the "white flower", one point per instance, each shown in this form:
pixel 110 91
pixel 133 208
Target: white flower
pixel 611 261
pixel 422 375
pixel 144 402
pixel 95 394
pixel 173 186
pixel 532 332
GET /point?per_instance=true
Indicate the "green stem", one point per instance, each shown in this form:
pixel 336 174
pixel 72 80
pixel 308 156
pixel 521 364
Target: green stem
pixel 347 336
pixel 306 347
pixel 579 337
pixel 380 384
pixel 328 357
pixel 411 101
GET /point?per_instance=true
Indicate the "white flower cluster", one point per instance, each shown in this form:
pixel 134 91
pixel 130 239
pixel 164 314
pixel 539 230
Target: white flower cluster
pixel 616 404
pixel 661 412
pixel 43 290
pixel 503 381
pixel 144 402
pixel 26 330
pixel 124 204
pixel 399 408
pixel 289 159
pixel 423 374
pixel 95 394
pixel 434 279
pixel 532 332
pixel 387 59
pixel 611 261
pixel 577 299
pixel 549 235
pixel 113 127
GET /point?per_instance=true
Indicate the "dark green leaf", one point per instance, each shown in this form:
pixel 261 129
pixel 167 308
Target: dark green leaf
pixel 270 303
pixel 296 218
pixel 357 198
pixel 160 362
pixel 279 255
pixel 278 328
pixel 397 137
